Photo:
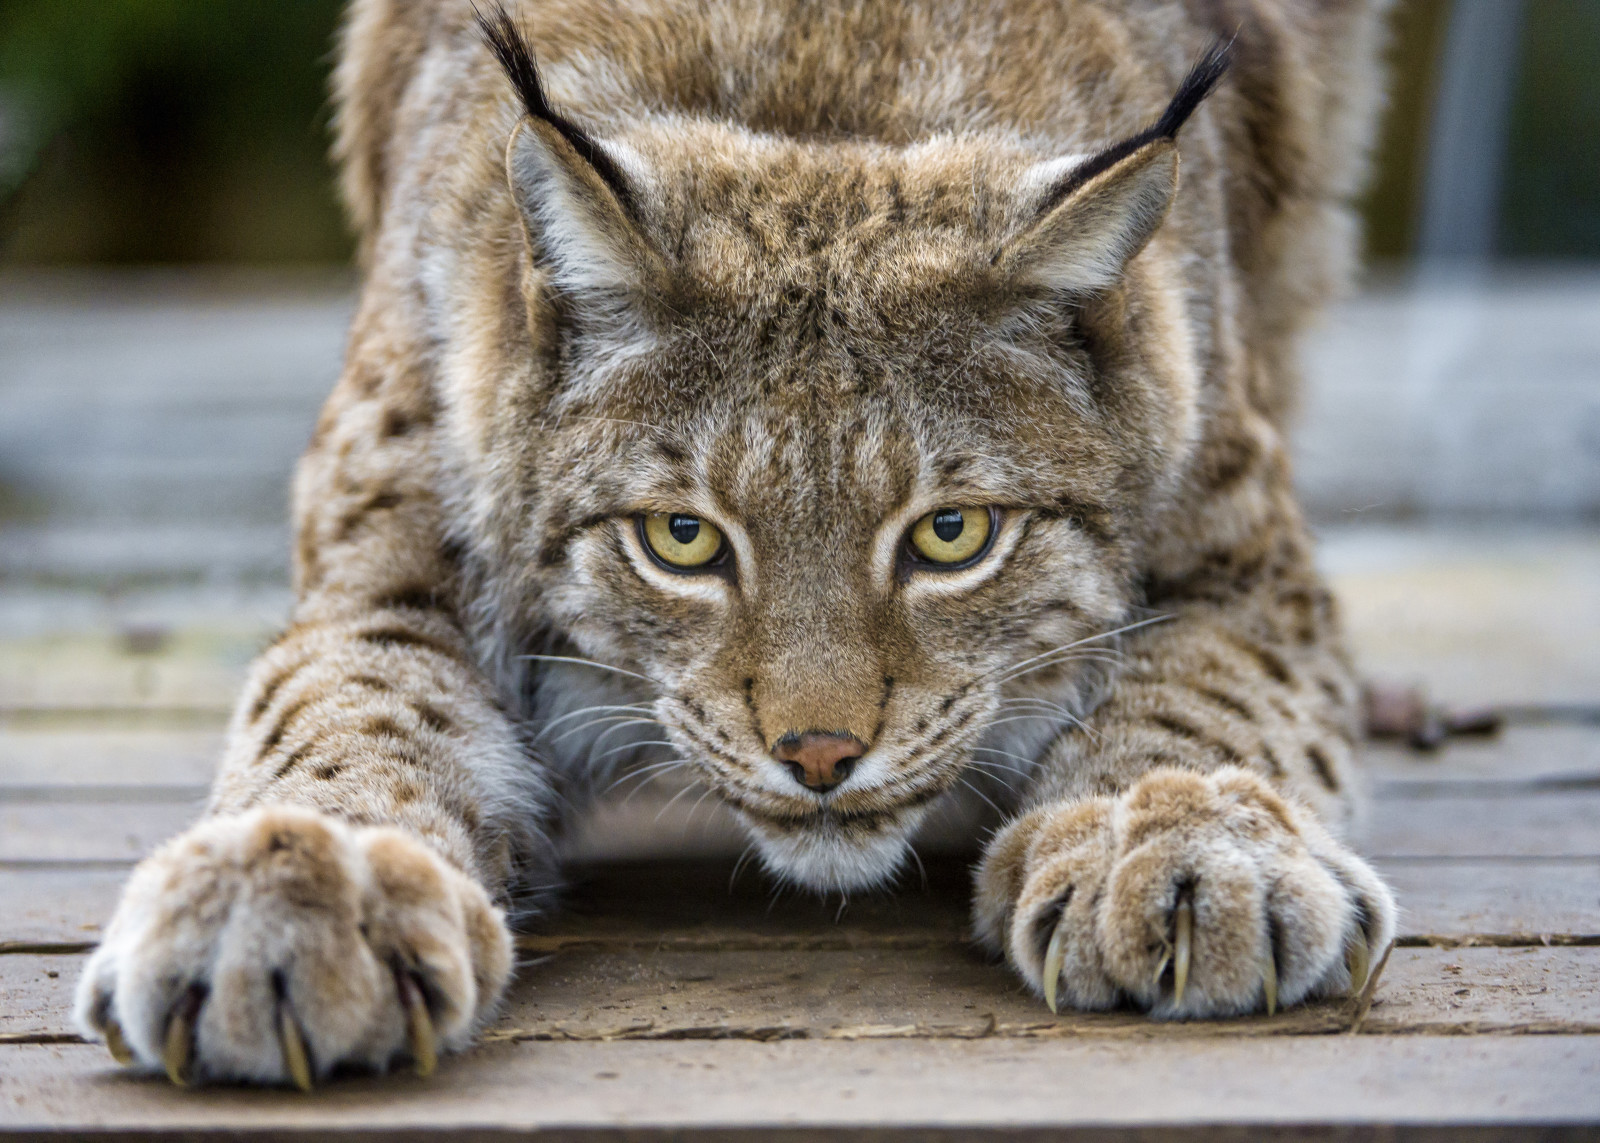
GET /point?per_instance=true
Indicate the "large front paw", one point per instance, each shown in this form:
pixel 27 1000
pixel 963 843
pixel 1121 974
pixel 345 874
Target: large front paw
pixel 1188 895
pixel 274 946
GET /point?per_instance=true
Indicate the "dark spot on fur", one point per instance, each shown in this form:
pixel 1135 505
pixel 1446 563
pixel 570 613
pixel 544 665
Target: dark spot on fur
pixel 1269 660
pixel 1225 701
pixel 413 598
pixel 1323 767
pixel 452 552
pixel 371 682
pixel 432 717
pixel 398 422
pixel 328 771
pixel 355 519
pixel 382 724
pixel 264 700
pixel 287 716
pixel 293 760
pixel 1183 730
pixel 398 637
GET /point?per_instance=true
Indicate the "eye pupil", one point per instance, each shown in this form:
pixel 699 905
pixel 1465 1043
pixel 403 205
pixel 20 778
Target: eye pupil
pixel 683 528
pixel 948 523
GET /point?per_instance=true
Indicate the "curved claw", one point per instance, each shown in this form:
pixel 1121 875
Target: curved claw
pixel 1054 956
pixel 1161 966
pixel 1269 982
pixel 296 1060
pixel 1182 945
pixel 1359 959
pixel 116 1044
pixel 419 1024
pixel 177 1049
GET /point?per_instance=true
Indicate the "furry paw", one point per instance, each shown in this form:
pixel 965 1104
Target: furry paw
pixel 274 946
pixel 1190 895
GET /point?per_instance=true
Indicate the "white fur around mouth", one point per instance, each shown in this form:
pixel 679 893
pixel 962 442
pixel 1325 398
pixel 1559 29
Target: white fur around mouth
pixel 824 860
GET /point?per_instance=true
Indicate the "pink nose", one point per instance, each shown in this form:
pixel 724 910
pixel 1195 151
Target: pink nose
pixel 819 760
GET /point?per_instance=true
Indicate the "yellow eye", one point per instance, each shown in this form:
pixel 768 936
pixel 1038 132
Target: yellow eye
pixel 682 540
pixel 951 535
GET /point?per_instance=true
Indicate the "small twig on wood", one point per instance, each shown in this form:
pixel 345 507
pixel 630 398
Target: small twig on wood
pixel 1363 1003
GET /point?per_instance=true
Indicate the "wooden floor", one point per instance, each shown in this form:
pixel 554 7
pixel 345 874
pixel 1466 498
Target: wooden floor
pixel 674 999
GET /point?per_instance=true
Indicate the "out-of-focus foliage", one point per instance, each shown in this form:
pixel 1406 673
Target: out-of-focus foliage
pixel 1551 203
pixel 196 130
pixel 166 131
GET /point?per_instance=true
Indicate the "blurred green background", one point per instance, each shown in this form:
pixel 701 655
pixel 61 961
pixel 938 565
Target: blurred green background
pixel 167 131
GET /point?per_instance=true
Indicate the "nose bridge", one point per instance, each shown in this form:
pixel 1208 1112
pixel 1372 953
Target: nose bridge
pixel 819 670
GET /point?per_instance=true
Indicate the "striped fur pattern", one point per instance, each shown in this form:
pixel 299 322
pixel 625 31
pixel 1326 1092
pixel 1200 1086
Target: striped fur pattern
pixel 808 271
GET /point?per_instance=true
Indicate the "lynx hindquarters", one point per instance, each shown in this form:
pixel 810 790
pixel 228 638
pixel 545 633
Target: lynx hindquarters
pixel 864 424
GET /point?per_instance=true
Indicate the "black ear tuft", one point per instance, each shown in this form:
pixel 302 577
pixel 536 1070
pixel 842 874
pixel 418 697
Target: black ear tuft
pixel 1199 83
pixel 510 46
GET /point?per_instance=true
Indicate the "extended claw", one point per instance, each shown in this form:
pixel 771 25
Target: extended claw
pixel 419 1024
pixel 116 1044
pixel 1161 966
pixel 296 1061
pixel 1269 982
pixel 177 1049
pixel 1182 945
pixel 1359 959
pixel 1054 955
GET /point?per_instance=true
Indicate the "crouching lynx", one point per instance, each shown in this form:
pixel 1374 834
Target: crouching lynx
pixel 852 394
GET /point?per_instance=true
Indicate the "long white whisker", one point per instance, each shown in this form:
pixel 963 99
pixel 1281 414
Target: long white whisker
pixel 677 763
pixel 1077 657
pixel 641 771
pixel 604 734
pixel 1056 718
pixel 586 663
pixel 744 856
pixel 997 767
pixel 624 718
pixel 632 746
pixel 980 794
pixel 1081 642
pixel 1024 759
pixel 673 799
pixel 555 722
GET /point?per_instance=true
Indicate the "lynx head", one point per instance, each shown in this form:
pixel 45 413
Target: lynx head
pixel 832 441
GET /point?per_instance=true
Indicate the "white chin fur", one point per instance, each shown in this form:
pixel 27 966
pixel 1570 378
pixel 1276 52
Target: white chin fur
pixel 824 861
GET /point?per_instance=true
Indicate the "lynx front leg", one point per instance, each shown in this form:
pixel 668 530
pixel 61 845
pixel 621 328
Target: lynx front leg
pixel 337 905
pixel 1178 855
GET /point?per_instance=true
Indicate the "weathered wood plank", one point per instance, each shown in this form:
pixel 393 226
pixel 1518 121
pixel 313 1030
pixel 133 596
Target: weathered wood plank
pixel 936 991
pixel 839 1087
pixel 87 757
pixel 87 831
pixel 1480 615
pixel 56 906
pixel 1538 895
pixel 36 994
pixel 1518 754
pixel 1556 824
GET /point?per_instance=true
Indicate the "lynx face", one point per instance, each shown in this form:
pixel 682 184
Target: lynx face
pixel 831 442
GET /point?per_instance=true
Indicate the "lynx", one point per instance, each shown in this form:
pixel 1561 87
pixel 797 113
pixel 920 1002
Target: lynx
pixel 871 399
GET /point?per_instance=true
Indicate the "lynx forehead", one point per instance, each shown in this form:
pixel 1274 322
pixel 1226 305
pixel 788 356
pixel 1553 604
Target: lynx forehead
pixel 856 409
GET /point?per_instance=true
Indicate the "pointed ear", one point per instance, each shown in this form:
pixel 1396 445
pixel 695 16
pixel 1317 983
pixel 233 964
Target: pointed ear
pixel 1089 217
pixel 576 193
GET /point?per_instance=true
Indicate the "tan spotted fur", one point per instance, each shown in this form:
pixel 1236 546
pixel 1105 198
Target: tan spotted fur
pixel 835 298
